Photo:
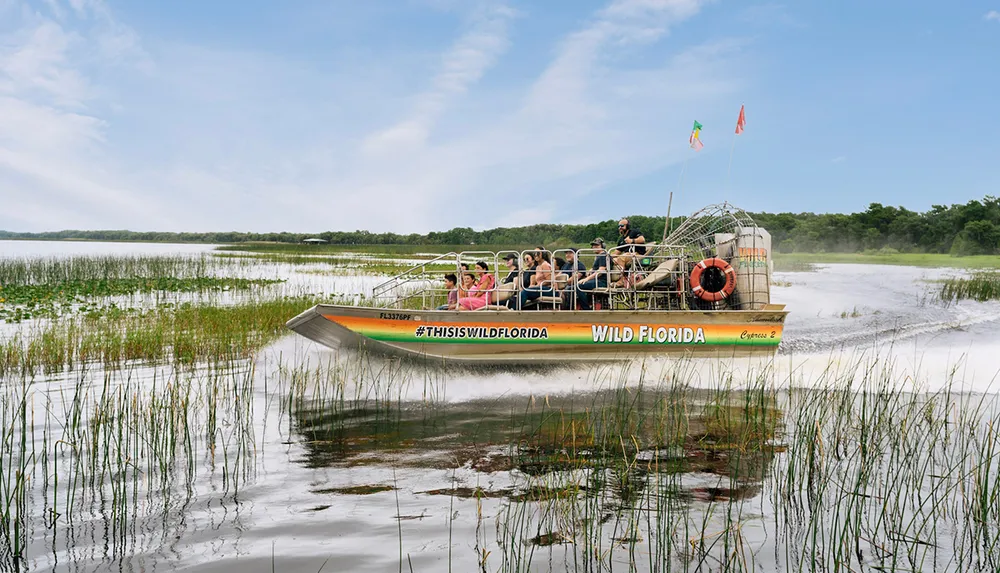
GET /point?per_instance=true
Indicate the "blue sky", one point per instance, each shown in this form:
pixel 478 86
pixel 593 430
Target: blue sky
pixel 423 115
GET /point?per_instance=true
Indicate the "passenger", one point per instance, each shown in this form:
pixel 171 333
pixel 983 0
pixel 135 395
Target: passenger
pixel 541 281
pixel 479 293
pixel 450 281
pixel 535 262
pixel 573 267
pixel 511 261
pixel 559 263
pixel 630 241
pixel 528 272
pixel 468 281
pixel 597 278
pixel 504 292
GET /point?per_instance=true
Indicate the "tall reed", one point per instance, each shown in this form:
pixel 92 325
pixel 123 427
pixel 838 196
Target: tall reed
pixel 981 286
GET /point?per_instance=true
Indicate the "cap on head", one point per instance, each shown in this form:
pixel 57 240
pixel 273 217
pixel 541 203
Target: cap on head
pixel 597 241
pixel 511 257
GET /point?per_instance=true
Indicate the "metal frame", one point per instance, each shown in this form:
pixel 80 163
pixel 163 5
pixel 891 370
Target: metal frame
pixel 422 283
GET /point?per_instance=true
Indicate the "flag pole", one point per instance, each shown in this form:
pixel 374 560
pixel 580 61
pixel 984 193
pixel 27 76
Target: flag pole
pixel 695 144
pixel 740 123
pixel 666 225
pixel 680 183
pixel 729 170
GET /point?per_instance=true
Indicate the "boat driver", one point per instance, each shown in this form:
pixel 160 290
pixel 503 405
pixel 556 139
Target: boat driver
pixel 630 244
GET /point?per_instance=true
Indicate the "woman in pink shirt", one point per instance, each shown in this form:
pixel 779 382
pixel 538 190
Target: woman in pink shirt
pixel 479 294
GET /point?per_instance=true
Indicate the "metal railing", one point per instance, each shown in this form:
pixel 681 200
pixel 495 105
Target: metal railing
pixel 654 280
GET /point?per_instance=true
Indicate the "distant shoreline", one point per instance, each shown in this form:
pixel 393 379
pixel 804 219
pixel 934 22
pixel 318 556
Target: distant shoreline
pixel 83 240
pixel 272 248
pixel 972 229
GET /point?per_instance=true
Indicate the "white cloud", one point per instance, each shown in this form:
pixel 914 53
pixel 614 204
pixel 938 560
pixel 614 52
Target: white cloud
pixel 992 15
pixel 36 64
pixel 839 159
pixel 463 65
pixel 195 138
pixel 51 143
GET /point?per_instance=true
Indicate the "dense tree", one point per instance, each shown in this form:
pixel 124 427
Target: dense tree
pixel 962 229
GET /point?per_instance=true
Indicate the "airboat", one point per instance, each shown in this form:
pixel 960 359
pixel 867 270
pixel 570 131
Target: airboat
pixel 703 291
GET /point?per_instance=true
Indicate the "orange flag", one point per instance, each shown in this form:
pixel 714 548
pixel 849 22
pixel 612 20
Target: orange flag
pixel 741 123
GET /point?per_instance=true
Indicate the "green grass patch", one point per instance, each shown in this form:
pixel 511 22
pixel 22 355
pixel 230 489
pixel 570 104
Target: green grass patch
pixel 783 265
pixel 905 259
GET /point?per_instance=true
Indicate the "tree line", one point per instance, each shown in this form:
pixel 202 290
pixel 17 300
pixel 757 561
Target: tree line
pixel 961 229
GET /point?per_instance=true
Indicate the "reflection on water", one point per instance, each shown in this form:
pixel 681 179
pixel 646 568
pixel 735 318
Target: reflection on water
pixel 638 430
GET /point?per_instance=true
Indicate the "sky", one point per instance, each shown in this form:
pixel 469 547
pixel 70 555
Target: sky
pixel 420 115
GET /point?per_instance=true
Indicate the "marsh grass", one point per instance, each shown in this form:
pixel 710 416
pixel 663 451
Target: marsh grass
pixel 183 334
pixel 24 302
pixel 864 478
pixel 54 270
pixel 981 286
pixel 49 287
pixel 859 472
pixel 114 453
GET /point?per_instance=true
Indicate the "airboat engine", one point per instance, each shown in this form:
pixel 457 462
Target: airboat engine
pixel 728 259
pixel 749 253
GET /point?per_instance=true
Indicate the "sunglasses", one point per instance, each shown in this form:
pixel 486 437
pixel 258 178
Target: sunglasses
pixel 621 226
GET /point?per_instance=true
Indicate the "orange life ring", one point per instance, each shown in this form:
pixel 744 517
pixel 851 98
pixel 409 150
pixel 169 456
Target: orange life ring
pixel 727 288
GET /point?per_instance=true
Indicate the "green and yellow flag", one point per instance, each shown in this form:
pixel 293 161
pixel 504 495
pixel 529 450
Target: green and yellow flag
pixel 694 140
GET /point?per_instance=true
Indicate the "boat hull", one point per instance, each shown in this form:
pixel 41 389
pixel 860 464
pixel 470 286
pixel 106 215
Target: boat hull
pixel 544 336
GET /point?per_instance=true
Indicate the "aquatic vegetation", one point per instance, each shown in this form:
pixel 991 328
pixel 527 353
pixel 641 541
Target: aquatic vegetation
pixel 871 478
pixel 24 302
pixel 981 286
pixel 54 270
pixel 184 333
pixel 659 474
pixel 115 453
pixel 853 313
pixel 49 287
pixel 743 475
pixel 355 490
